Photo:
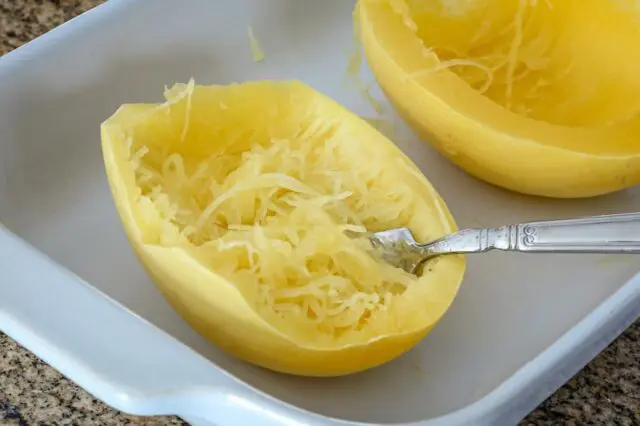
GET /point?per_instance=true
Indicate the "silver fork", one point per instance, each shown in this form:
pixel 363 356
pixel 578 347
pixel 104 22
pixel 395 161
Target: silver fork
pixel 617 233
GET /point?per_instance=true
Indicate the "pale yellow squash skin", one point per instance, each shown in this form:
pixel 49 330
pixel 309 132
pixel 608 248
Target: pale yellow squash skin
pixel 482 137
pixel 217 310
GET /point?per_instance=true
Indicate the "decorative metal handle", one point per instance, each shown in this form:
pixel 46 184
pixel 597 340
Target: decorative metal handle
pixel 598 234
pixel 618 233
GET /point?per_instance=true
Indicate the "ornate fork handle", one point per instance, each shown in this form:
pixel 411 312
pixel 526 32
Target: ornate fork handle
pixel 619 233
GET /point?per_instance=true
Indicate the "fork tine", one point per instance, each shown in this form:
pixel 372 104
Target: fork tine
pixel 395 235
pixel 397 247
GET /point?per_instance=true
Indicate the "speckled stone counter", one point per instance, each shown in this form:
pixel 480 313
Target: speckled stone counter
pixel 606 392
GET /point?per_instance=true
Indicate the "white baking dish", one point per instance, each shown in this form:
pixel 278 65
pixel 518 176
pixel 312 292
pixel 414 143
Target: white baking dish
pixel 72 291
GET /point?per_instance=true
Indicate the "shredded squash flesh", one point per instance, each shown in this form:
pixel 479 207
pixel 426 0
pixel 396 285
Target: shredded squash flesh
pixel 565 62
pixel 283 218
pixel 257 54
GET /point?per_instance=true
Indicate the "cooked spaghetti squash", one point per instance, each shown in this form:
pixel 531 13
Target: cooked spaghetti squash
pixel 249 206
pixel 537 96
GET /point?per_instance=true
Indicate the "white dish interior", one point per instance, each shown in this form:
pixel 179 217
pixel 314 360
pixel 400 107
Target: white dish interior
pixel 54 194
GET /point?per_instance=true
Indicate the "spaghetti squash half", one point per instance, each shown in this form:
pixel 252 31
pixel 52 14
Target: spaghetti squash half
pixel 249 206
pixel 537 96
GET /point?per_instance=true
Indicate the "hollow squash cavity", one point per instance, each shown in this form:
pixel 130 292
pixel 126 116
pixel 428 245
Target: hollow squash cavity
pixel 569 62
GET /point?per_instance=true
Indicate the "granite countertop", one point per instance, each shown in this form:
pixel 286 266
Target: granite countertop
pixel 607 391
